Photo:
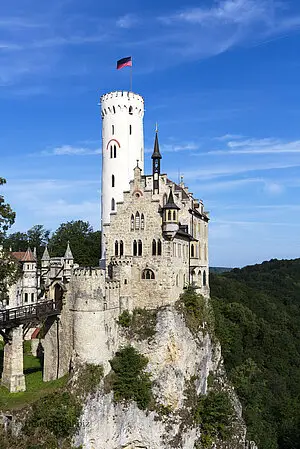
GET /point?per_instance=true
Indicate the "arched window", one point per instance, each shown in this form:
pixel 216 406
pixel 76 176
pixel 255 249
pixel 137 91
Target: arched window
pixel 121 248
pixel 192 250
pixel 204 278
pixel 169 215
pixel 134 248
pixel 130 129
pixel 130 110
pixel 132 223
pixel 153 247
pixel 113 180
pixel 148 274
pixel 140 248
pixel 26 297
pixel 114 109
pixel 142 222
pixel 113 129
pixel 159 248
pixel 165 199
pixel 111 151
pixel 174 215
pixel 115 151
pixel 200 277
pixel 113 204
pixel 137 220
pixel 116 248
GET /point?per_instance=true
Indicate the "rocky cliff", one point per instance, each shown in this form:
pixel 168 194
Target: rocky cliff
pixel 184 365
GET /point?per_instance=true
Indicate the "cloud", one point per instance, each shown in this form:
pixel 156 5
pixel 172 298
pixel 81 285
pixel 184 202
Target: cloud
pixel 127 21
pixel 175 148
pixel 68 150
pixel 259 146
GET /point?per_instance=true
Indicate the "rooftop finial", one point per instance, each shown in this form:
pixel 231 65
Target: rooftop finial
pixel 156 127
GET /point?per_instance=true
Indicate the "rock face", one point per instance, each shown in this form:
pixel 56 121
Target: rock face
pixel 178 360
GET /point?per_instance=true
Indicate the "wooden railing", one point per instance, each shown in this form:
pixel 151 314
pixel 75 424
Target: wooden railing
pixel 29 313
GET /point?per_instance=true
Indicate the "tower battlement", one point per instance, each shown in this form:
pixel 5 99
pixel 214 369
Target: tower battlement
pixel 91 272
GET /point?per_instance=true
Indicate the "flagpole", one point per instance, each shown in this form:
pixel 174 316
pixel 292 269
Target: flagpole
pixel 131 76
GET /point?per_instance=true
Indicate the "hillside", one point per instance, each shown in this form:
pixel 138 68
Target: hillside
pixel 257 312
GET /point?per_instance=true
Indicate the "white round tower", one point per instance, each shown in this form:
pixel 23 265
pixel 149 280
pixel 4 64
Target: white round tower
pixel 122 145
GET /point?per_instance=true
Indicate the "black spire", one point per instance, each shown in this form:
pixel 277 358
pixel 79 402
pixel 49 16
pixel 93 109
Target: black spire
pixel 156 157
pixel 170 204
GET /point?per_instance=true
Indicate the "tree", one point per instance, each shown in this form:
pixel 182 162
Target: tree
pixel 8 270
pixel 36 237
pixel 84 242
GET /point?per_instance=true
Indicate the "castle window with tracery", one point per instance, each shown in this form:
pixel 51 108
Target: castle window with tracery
pixel 142 222
pixel 148 274
pixel 137 220
pixel 132 223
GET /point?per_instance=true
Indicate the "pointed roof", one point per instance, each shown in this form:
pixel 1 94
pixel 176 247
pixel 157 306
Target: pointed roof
pixel 68 253
pixel 46 255
pixel 170 204
pixel 27 257
pixel 156 153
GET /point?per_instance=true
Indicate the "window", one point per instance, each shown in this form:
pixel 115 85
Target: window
pixel 132 223
pixel 115 151
pixel 174 215
pixel 179 250
pixel 114 109
pixel 111 151
pixel 32 297
pixel 113 129
pixel 148 274
pixel 140 248
pixel 159 248
pixel 169 215
pixel 176 280
pixel 134 248
pixel 165 199
pixel 116 248
pixel 26 297
pixel 130 110
pixel 192 250
pixel 153 247
pixel 130 129
pixel 204 278
pixel 113 180
pixel 121 248
pixel 142 222
pixel 113 204
pixel 137 220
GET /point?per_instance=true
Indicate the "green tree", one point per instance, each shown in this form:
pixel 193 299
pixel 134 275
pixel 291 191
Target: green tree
pixel 7 216
pixel 84 242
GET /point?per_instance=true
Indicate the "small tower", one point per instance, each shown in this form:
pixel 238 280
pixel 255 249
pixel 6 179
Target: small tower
pixel 156 157
pixel 170 217
pixel 30 280
pixel 45 264
pixel 68 262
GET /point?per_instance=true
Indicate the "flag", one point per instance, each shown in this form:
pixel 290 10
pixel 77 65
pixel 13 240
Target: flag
pixel 124 62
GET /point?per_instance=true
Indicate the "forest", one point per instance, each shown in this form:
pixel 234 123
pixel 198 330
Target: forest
pixel 257 319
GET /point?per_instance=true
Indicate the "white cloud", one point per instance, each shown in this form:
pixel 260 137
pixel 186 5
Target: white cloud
pixel 228 137
pixel 259 146
pixel 174 148
pixel 127 21
pixel 68 150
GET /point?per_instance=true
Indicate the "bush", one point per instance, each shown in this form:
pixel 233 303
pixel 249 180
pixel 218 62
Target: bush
pixel 88 379
pixel 129 379
pixel 196 310
pixel 140 324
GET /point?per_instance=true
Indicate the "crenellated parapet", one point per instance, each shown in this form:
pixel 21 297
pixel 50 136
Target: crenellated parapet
pixel 94 272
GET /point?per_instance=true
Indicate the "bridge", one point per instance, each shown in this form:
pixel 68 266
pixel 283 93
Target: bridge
pixel 29 314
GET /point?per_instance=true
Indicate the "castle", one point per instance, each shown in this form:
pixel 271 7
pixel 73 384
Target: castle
pixel 154 243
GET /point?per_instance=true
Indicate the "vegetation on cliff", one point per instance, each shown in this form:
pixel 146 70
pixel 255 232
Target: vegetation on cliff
pixel 257 313
pixel 139 324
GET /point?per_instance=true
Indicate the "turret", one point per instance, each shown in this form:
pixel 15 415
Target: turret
pixel 170 217
pixel 68 262
pixel 156 157
pixel 45 264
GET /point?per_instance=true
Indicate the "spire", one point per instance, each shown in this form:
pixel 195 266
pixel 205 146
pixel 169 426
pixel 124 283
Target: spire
pixel 170 204
pixel 68 253
pixel 156 153
pixel 46 255
pixel 28 256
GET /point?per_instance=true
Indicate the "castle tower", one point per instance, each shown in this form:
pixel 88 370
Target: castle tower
pixel 122 145
pixel 156 157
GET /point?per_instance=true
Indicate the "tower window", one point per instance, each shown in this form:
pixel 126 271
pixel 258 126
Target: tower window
pixel 130 129
pixel 113 204
pixel 135 248
pixel 116 248
pixel 174 215
pixel 111 151
pixel 192 251
pixel 153 247
pixel 121 248
pixel 140 248
pixel 142 222
pixel 26 297
pixel 130 110
pixel 204 278
pixel 148 274
pixel 113 180
pixel 32 297
pixel 137 220
pixel 113 129
pixel 159 248
pixel 132 223
pixel 169 215
pixel 115 151
pixel 114 109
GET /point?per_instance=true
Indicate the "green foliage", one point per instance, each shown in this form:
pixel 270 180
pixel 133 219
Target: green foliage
pixel 7 216
pixel 129 379
pixel 85 243
pixel 36 237
pixel 257 312
pixel 58 413
pixel 214 414
pixel 140 324
pixel 88 379
pixel 197 312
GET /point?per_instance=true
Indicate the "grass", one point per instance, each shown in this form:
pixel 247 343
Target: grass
pixel 35 387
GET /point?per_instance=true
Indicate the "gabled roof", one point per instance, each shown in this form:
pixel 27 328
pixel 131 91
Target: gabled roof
pixel 22 256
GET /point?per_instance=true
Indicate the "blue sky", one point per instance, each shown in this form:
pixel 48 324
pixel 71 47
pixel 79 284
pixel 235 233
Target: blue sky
pixel 221 78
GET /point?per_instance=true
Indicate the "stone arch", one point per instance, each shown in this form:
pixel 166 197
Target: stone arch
pixel 148 274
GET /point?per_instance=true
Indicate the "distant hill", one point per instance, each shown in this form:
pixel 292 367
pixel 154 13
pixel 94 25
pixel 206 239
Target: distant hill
pixel 219 269
pixel 257 310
